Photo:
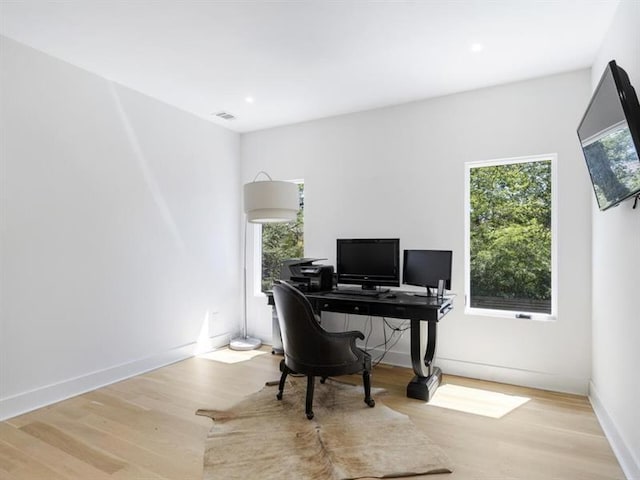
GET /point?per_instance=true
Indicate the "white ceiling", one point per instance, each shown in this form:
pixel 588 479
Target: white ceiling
pixel 302 60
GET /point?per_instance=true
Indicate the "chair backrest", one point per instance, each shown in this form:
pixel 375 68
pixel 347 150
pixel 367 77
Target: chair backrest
pixel 306 344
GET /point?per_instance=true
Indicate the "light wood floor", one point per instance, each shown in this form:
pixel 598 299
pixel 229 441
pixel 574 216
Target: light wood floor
pixel 145 428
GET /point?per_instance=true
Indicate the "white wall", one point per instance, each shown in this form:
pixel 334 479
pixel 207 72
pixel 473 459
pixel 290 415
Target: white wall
pixel 399 172
pixel 615 389
pixel 119 231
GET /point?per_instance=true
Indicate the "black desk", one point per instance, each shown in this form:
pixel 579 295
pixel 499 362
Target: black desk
pixel 424 314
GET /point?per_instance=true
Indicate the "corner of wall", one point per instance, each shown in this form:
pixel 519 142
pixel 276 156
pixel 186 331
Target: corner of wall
pixel 628 462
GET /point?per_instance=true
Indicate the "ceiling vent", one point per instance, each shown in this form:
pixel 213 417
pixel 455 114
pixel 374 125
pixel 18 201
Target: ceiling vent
pixel 225 115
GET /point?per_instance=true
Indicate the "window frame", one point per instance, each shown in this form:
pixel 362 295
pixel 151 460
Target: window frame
pixel 468 310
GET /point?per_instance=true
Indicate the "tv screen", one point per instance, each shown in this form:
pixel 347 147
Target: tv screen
pixel 610 137
pixel 424 268
pixel 369 262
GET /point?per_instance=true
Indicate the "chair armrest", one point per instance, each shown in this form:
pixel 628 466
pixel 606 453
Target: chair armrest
pixel 352 333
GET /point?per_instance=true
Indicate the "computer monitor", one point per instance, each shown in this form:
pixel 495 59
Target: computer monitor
pixel 369 262
pixel 424 268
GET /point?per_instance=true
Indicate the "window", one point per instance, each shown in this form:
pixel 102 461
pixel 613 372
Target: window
pixel 279 242
pixel 510 256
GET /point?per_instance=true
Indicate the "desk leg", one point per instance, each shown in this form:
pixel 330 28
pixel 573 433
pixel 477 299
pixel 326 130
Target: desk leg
pixel 423 349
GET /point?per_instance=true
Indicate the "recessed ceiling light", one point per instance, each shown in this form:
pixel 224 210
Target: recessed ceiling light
pixel 248 99
pixel 476 47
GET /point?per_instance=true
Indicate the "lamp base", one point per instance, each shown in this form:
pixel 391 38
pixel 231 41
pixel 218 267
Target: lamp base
pixel 245 343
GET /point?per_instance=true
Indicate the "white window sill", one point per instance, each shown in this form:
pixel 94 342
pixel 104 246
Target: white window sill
pixel 483 312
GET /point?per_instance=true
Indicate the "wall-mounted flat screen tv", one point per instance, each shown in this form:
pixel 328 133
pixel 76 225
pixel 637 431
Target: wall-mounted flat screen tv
pixel 610 137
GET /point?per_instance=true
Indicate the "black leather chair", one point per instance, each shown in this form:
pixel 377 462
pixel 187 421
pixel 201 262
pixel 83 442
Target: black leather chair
pixel 311 350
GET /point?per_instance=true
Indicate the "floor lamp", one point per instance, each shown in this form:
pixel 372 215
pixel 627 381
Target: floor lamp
pixel 265 201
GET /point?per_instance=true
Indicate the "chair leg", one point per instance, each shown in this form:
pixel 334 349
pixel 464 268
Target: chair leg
pixel 366 380
pixel 309 404
pixel 285 372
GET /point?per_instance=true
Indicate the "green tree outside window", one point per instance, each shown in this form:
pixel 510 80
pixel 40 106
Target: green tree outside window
pixel 510 260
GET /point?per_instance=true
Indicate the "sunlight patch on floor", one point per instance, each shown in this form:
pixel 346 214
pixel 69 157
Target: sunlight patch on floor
pixel 476 401
pixel 226 355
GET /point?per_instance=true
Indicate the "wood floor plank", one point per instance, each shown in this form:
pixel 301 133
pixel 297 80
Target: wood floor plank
pixel 552 436
pixel 16 465
pixel 41 452
pixel 156 421
pixel 141 456
pixel 68 444
pixel 145 428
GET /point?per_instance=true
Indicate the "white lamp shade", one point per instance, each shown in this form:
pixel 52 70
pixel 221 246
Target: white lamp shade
pixel 271 201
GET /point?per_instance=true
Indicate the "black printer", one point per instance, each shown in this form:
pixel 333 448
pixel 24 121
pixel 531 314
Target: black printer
pixel 307 277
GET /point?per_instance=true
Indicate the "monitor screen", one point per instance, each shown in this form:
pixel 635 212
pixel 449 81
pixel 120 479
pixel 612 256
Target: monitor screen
pixel 424 268
pixel 369 262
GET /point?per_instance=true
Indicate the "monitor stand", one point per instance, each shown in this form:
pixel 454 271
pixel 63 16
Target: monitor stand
pixel 426 294
pixel 373 288
pixel 434 292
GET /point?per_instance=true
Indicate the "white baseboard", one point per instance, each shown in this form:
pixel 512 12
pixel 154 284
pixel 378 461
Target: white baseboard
pixel 629 464
pixel 41 397
pixel 515 376
pixel 494 373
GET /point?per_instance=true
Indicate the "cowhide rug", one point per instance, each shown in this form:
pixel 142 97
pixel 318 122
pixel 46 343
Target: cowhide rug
pixel 263 438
